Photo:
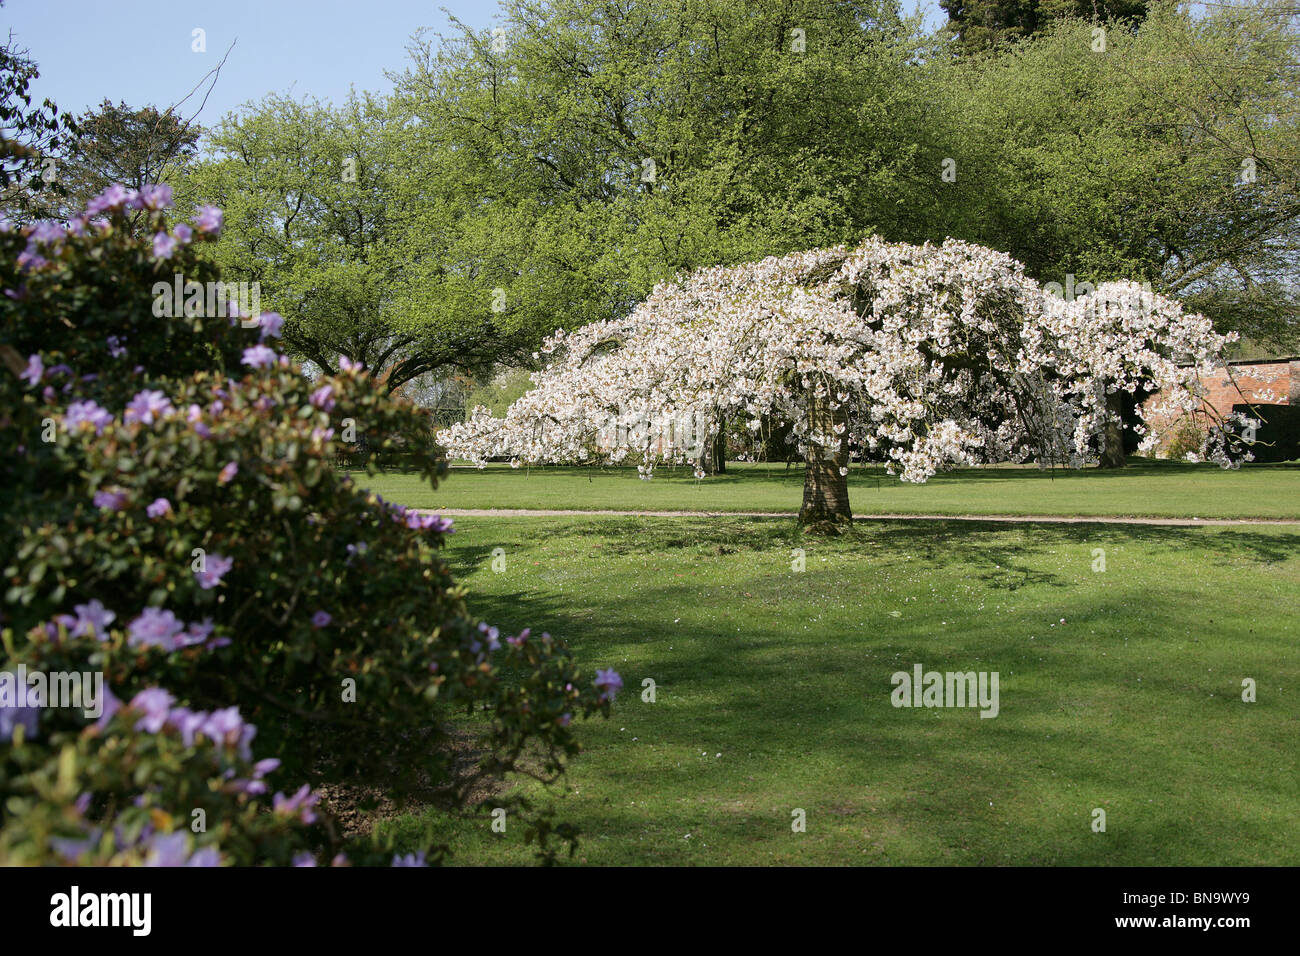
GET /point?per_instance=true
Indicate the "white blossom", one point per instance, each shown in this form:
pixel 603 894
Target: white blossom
pixel 934 356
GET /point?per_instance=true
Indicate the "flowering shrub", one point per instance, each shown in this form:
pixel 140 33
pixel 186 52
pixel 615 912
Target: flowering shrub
pixel 173 523
pixel 924 357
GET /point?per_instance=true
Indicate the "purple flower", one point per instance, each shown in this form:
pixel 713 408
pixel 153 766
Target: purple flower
pixel 521 638
pixel 304 859
pixel 169 849
pixel 421 522
pixel 258 356
pixel 208 856
pixel 214 569
pixel 111 499
pixel 159 507
pixel 28 259
pixel 146 407
pixel 187 723
pixel 609 683
pixel 228 473
pixel 115 347
pixel 46 233
pixel 194 415
pixel 93 619
pixel 411 859
pixel 321 619
pixel 12 716
pixel 347 365
pixel 52 628
pixel 156 196
pixel 35 370
pixel 114 197
pixel 183 234
pixel 270 323
pixel 323 399
pixel 71 849
pixel 87 413
pixel 111 706
pixel 155 627
pixel 299 804
pixel 492 634
pixel 198 634
pixel 209 220
pixel 223 726
pixel 156 704
pixel 163 246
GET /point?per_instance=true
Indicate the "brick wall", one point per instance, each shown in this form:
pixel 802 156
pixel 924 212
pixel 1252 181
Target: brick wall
pixel 1264 383
pixel 1271 382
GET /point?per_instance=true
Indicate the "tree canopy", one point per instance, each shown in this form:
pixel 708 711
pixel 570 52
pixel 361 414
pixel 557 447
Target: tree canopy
pixel 547 173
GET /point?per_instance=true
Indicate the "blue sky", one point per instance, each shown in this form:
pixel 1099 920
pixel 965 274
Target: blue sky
pixel 140 50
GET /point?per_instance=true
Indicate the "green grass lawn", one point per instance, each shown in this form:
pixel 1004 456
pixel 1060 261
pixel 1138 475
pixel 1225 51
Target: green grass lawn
pixel 1152 488
pixel 1119 689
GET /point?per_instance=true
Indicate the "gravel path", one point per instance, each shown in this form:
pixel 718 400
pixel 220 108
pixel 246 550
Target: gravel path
pixel 1010 519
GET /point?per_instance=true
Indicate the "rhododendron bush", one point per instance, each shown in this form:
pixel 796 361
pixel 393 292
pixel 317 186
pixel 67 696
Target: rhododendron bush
pixel 924 357
pixel 261 625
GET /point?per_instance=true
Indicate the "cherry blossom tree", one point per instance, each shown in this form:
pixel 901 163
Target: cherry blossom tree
pixel 923 357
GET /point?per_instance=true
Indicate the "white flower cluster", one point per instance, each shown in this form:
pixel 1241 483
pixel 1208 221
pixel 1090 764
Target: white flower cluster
pixel 922 356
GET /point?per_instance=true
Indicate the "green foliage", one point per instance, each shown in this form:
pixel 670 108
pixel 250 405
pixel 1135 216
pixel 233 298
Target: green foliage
pixel 505 191
pixel 550 174
pixel 1131 162
pixel 500 392
pixel 362 258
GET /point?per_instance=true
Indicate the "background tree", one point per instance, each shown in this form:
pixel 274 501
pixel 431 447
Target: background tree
pixel 982 24
pixel 663 136
pixel 1129 162
pixel 325 211
pixel 119 144
pixel 31 140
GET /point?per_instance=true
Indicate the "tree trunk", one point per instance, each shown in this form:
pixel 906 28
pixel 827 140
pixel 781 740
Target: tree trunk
pixel 825 490
pixel 713 457
pixel 1112 434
